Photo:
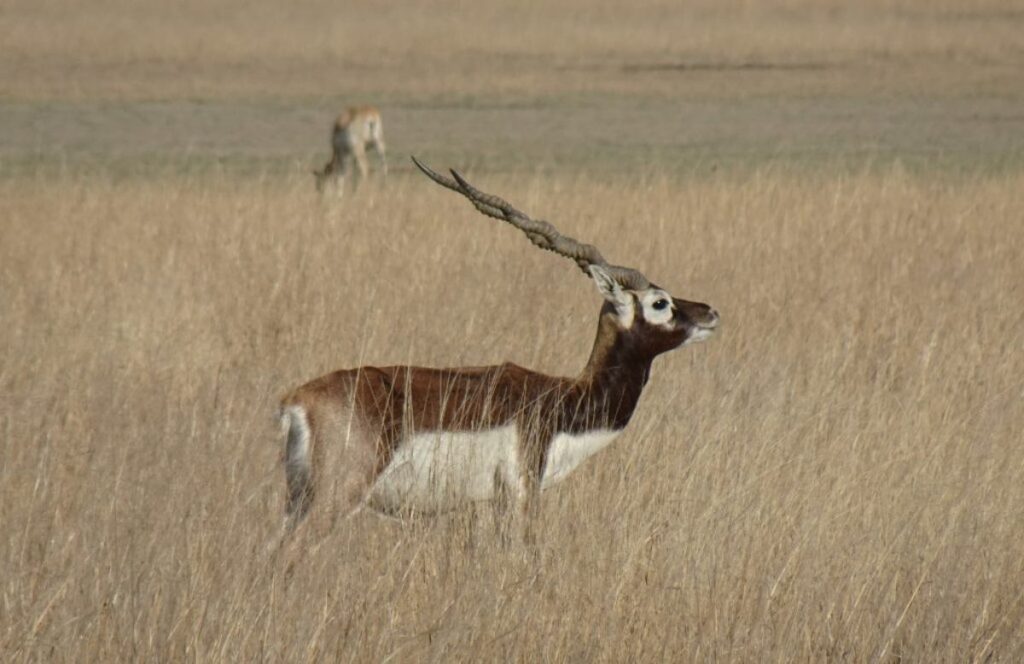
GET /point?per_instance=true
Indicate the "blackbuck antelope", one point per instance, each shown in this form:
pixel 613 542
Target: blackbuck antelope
pixel 357 129
pixel 419 440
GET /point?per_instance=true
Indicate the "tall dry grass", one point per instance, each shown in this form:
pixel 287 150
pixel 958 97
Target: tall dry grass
pixel 836 476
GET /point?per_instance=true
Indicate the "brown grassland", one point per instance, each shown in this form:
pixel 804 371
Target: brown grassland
pixel 836 476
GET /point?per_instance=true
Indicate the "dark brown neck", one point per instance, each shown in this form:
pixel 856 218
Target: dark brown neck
pixel 610 385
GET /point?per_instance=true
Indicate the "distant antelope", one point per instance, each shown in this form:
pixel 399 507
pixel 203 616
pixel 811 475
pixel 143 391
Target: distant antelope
pixel 355 130
pixel 414 439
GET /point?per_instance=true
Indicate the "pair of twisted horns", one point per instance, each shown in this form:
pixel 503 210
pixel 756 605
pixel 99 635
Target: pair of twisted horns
pixel 540 232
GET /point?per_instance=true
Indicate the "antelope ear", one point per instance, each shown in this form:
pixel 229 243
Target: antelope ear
pixel 611 290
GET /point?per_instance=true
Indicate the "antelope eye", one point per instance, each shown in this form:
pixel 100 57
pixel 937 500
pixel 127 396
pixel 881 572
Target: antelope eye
pixel 660 304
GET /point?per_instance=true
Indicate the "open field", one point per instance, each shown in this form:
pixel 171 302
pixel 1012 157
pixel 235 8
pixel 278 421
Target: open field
pixel 449 49
pixel 838 474
pixel 147 88
pixel 835 476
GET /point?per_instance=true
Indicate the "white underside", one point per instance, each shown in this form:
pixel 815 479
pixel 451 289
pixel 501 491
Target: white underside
pixel 570 450
pixel 434 471
pixel 699 334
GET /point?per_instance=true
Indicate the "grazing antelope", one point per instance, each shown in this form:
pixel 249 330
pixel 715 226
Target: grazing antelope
pixel 355 130
pixel 420 440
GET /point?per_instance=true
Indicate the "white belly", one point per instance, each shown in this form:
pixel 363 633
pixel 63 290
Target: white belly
pixel 435 471
pixel 570 450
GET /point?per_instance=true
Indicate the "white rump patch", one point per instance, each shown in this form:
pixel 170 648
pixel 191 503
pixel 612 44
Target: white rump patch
pixel 435 471
pixel 570 450
pixel 296 426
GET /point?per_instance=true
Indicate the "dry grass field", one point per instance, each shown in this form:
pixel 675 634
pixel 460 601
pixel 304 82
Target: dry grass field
pixel 835 477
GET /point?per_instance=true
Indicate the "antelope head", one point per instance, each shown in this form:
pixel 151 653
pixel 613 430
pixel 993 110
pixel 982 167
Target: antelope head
pixel 647 320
